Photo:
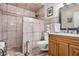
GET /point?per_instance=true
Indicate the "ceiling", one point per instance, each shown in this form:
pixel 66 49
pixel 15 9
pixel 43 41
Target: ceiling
pixel 30 6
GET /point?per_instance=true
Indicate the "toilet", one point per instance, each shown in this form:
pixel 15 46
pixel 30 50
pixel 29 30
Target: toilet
pixel 43 45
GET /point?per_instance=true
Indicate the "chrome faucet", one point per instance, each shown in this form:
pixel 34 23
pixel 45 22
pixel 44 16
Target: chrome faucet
pixel 67 30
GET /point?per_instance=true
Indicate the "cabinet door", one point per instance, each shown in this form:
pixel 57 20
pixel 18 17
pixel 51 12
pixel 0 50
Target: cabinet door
pixel 73 50
pixel 52 48
pixel 62 49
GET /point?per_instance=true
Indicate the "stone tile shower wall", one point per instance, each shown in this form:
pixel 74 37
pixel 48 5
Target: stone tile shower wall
pixel 11 30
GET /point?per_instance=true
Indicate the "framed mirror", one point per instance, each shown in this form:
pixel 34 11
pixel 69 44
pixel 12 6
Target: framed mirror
pixel 67 16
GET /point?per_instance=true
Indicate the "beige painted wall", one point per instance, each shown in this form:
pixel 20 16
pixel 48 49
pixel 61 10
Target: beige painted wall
pixel 55 6
pixel 43 11
pixel 54 18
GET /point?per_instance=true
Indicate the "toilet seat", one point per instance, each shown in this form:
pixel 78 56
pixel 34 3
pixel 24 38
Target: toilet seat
pixel 42 45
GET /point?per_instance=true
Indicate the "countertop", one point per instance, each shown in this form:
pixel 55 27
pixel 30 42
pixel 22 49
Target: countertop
pixel 66 34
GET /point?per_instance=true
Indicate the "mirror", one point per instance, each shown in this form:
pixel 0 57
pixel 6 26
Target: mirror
pixel 69 16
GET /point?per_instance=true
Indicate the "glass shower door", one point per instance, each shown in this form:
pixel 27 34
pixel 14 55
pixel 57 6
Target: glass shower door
pixel 27 36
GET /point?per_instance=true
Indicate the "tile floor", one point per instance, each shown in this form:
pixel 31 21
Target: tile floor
pixel 17 52
pixel 37 52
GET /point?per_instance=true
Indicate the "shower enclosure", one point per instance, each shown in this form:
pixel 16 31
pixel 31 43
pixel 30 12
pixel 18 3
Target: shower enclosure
pixel 32 31
pixel 16 28
pixel 11 30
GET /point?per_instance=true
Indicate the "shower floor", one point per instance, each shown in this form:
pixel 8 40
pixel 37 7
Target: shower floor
pixel 16 51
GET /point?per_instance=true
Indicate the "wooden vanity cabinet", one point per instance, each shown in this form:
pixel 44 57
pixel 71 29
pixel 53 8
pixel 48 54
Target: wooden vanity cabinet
pixel 53 49
pixel 74 50
pixel 63 46
pixel 62 49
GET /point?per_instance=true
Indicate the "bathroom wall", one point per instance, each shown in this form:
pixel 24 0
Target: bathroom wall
pixel 11 24
pixel 55 17
pixel 52 19
pixel 43 11
pixel 55 10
